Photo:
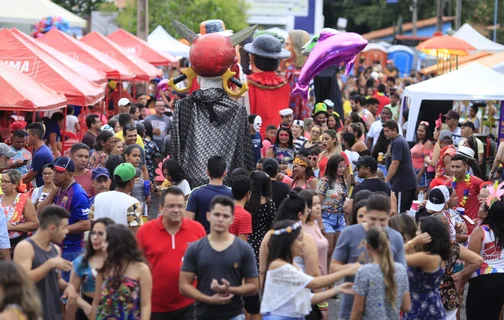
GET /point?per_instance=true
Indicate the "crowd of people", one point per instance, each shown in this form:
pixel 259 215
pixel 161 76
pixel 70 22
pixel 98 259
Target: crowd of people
pixel 338 206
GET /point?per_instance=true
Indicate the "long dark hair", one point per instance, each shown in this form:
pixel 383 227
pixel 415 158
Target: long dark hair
pixel 90 251
pixel 379 242
pixel 308 196
pixel 279 246
pixel 355 209
pixel 331 172
pixel 291 207
pixel 336 120
pixel 495 220
pixel 428 134
pixel 19 290
pixel 121 251
pixel 261 186
pixel 175 170
pixel 103 136
pixel 381 145
pixel 440 243
pixel 291 137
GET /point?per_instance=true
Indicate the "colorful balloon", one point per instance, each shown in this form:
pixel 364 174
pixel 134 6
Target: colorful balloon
pixel 331 50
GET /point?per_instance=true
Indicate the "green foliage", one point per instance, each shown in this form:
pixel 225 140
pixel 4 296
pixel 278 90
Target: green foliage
pixel 189 12
pixel 81 8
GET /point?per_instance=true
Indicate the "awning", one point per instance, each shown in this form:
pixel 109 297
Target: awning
pixel 32 11
pixel 144 71
pixel 477 40
pixel 141 49
pixel 93 75
pixel 84 53
pixel 22 93
pixel 38 65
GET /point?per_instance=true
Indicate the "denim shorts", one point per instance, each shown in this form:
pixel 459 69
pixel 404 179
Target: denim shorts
pixel 423 178
pixel 239 317
pixel 333 222
pixel 270 316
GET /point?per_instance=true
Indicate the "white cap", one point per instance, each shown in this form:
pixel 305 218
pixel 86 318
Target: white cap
pixel 123 102
pixel 374 75
pixel 286 112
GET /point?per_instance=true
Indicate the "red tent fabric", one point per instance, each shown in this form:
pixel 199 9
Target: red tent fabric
pixel 84 70
pixel 144 71
pixel 38 65
pixel 22 93
pixel 141 48
pixel 84 53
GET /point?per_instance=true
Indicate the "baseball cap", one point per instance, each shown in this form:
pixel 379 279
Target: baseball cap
pixel 64 164
pixel 445 135
pixel 368 162
pixel 123 102
pixel 100 172
pixel 468 124
pixel 452 114
pixel 126 172
pixel 6 151
pixel 437 198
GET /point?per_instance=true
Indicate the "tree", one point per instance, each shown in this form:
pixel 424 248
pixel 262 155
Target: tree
pixel 81 8
pixel 190 13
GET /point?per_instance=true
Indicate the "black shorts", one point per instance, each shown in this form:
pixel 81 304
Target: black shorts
pixel 252 304
pixel 186 313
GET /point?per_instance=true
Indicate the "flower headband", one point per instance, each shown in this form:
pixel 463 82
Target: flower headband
pixel 439 121
pixel 495 193
pixel 425 123
pixel 300 162
pixel 289 229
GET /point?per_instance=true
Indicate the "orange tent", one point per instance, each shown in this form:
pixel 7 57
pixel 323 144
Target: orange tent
pixel 22 93
pixel 84 53
pixel 461 60
pixel 447 45
pixel 141 48
pixel 84 70
pixel 38 65
pixel 144 71
pixel 490 61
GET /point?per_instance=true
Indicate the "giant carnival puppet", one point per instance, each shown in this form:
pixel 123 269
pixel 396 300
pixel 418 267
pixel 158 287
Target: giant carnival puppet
pixel 208 122
pixel 268 92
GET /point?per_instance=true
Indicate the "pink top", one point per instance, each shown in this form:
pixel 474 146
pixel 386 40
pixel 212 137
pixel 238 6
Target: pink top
pixel 417 155
pixel 266 144
pixel 321 243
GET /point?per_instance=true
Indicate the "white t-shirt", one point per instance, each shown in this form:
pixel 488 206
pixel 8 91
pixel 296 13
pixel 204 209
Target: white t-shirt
pixel 184 186
pixel 457 136
pixel 352 156
pixel 71 123
pixel 375 129
pixel 118 206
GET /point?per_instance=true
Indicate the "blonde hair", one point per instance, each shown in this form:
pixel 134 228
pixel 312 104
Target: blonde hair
pixel 298 39
pixel 378 240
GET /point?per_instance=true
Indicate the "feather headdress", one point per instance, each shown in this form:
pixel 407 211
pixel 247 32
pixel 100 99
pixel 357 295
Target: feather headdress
pixel 496 193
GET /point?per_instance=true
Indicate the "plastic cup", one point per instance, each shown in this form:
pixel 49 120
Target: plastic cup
pixel 415 205
pixel 380 156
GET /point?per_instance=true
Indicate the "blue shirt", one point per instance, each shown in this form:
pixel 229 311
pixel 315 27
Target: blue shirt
pixel 75 200
pixel 85 273
pixel 41 157
pixel 256 146
pixel 52 127
pixel 200 198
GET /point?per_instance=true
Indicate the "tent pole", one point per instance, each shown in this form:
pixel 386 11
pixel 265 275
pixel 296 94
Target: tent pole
pixel 64 131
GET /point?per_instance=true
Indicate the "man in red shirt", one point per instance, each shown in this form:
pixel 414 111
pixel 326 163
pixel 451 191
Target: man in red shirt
pixel 242 224
pixel 164 242
pixel 466 186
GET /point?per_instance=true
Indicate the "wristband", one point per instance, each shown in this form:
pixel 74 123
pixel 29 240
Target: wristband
pixel 324 306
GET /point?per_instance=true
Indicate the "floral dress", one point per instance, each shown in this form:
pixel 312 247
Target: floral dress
pixel 283 155
pixel 261 222
pixel 449 295
pixel 97 159
pixel 150 149
pixel 425 297
pixel 122 303
pixel 14 215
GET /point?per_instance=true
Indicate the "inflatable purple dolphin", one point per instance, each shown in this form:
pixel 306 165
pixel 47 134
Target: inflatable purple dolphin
pixel 331 49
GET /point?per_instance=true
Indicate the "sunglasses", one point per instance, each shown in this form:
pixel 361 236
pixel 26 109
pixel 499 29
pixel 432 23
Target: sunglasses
pixel 314 157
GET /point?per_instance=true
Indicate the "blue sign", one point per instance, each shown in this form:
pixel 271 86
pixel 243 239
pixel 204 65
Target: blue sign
pixel 391 1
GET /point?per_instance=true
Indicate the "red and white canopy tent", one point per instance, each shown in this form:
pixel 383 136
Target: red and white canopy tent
pixel 141 48
pixel 88 72
pixel 40 66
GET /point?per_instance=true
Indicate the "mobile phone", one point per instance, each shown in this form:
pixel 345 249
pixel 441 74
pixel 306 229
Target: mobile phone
pixel 25 161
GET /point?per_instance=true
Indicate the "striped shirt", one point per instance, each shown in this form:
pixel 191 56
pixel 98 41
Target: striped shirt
pixel 298 143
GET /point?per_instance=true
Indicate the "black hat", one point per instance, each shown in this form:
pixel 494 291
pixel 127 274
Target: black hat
pixel 267 46
pixel 437 198
pixel 368 162
pixel 468 124
pixel 452 114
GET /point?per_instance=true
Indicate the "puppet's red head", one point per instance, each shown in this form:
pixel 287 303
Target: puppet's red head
pixel 212 54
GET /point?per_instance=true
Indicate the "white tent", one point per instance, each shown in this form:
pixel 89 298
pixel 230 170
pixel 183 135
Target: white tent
pixel 32 11
pixel 475 82
pixel 161 40
pixel 477 40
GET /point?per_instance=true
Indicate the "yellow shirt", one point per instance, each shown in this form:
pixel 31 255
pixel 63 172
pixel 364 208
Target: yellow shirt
pixel 138 140
pixel 347 108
